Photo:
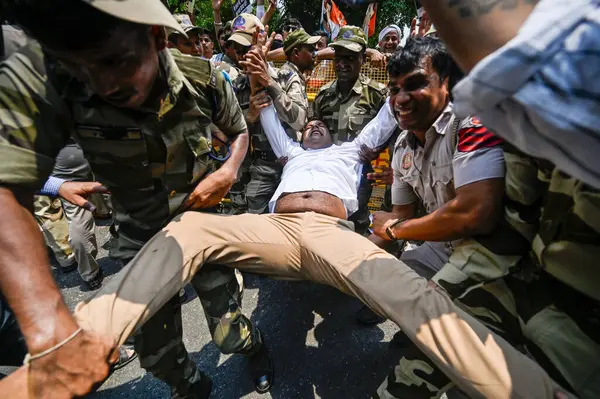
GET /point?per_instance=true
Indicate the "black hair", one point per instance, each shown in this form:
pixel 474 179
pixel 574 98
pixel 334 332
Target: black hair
pixel 66 24
pixel 312 119
pixel 410 56
pixel 204 31
pixel 321 33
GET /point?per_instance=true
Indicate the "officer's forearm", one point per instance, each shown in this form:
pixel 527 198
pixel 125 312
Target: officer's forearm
pixel 276 55
pixel 239 148
pixel 475 210
pixel 325 54
pixel 25 277
pixel 476 28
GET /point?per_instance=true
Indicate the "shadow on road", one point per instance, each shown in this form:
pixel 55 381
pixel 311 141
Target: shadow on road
pixel 318 349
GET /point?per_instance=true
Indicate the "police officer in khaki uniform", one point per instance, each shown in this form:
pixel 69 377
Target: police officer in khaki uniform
pixel 287 89
pixel 348 103
pixel 142 117
pixel 236 48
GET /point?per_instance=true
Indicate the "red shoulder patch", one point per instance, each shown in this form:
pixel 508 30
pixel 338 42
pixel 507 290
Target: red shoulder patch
pixel 475 136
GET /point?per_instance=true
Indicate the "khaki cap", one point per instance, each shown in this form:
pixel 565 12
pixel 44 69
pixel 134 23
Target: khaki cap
pixel 297 38
pixel 243 27
pixel 186 23
pixel 352 38
pixel 145 12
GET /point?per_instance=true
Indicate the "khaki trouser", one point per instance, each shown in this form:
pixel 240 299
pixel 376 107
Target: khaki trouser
pixel 325 250
pixel 82 237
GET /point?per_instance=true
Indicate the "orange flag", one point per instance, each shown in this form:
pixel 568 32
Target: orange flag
pixel 370 18
pixel 332 18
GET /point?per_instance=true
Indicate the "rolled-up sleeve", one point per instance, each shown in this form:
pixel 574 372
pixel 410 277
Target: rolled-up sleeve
pixel 540 90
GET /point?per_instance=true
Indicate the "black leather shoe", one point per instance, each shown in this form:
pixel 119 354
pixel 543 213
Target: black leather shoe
pixel 199 390
pixel 367 317
pixel 68 269
pixel 95 283
pixel 261 370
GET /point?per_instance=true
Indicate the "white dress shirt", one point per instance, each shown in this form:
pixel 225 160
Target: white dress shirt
pixel 334 170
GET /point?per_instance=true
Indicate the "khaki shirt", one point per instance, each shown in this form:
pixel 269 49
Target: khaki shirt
pixel 347 116
pixel 150 159
pixel 290 100
pixel 456 153
pixel 241 86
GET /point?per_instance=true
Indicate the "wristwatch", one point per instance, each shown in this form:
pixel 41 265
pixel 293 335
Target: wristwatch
pixel 389 230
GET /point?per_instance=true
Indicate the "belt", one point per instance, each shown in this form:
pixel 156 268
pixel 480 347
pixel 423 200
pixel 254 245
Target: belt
pixel 268 156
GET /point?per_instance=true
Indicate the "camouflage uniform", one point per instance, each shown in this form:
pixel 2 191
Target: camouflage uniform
pixel 237 194
pixel 55 227
pixel 538 278
pixel 150 160
pixel 345 118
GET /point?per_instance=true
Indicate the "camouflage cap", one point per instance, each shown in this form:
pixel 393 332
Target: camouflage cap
pixel 186 23
pixel 243 28
pixel 352 38
pixel 145 12
pixel 298 37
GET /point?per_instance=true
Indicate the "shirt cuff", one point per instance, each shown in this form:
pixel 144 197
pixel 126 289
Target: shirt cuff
pixel 52 186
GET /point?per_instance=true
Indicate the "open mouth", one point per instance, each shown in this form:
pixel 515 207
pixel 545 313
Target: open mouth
pixel 404 112
pixel 315 132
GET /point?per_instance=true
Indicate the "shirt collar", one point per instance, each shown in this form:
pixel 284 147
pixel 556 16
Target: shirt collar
pixel 443 120
pixel 357 88
pixel 295 69
pixel 175 82
pixel 439 126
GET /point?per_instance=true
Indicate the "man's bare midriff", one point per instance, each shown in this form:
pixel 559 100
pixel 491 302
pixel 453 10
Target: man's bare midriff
pixel 311 201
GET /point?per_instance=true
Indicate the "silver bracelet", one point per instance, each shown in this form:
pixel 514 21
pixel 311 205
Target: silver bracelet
pixel 29 358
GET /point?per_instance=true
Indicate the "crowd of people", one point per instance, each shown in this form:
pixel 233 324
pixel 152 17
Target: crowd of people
pixel 484 251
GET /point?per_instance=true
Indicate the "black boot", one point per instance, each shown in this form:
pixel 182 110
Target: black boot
pixel 260 367
pixel 95 282
pixel 367 317
pixel 199 390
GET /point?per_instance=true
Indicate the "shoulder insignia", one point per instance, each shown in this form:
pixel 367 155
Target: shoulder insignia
pixel 407 160
pixel 473 136
pixel 226 76
pixel 326 87
pixel 196 69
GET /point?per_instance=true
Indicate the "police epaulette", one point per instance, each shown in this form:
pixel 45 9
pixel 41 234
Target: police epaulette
pixel 197 70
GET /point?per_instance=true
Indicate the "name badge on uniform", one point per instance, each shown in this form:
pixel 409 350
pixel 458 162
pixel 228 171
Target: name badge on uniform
pixel 407 160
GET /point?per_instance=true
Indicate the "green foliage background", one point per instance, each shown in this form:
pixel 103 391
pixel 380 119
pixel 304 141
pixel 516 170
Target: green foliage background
pixel 308 12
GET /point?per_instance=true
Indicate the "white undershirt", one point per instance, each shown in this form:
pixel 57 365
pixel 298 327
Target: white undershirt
pixel 335 170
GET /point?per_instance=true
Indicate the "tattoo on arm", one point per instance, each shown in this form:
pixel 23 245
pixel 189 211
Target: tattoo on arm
pixel 475 8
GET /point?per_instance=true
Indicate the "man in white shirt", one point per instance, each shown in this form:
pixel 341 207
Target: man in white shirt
pixel 309 238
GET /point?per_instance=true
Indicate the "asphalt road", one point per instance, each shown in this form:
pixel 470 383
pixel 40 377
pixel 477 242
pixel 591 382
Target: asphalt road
pixel 318 349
